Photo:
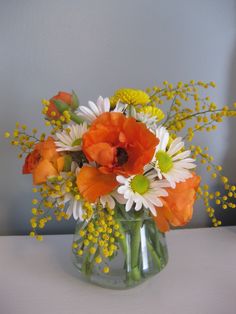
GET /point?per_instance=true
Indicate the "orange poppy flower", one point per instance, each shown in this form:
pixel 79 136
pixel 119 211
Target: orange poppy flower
pixel 119 145
pixel 177 207
pixel 43 162
pixel 65 97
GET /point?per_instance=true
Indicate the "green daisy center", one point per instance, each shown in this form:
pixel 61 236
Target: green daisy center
pixel 140 184
pixel 76 142
pixel 165 162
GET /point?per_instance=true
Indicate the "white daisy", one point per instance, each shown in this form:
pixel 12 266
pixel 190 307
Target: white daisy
pixel 72 140
pixel 171 162
pixel 142 190
pixel 111 198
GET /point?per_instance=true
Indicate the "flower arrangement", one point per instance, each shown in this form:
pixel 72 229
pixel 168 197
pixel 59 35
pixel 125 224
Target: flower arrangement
pixel 121 159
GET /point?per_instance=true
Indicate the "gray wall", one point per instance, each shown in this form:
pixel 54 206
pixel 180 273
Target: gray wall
pixel 95 47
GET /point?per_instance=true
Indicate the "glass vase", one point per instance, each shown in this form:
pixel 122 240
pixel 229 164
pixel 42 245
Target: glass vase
pixel 142 253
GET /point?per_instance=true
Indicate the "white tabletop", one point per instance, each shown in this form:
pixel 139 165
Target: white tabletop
pixel 200 278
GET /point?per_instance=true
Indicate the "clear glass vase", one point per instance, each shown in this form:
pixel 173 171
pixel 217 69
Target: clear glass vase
pixel 142 253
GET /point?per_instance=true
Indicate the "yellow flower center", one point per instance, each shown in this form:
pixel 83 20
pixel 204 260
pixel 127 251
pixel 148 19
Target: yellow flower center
pixel 76 142
pixel 165 162
pixel 140 184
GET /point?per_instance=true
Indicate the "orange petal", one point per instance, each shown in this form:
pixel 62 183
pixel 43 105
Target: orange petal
pixel 92 183
pixel 64 96
pixel 102 153
pixel 161 222
pixel 47 148
pixel 177 207
pixel 60 163
pixel 141 150
pixel 108 119
pixel 43 170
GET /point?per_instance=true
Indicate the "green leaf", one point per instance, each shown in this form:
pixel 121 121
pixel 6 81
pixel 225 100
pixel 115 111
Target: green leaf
pixel 61 105
pixel 75 101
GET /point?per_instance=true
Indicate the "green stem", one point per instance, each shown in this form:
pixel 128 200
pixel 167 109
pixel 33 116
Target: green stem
pixel 91 264
pixel 155 257
pixel 85 269
pixel 172 122
pixel 75 118
pixel 119 217
pixel 124 247
pixel 135 251
pixel 169 112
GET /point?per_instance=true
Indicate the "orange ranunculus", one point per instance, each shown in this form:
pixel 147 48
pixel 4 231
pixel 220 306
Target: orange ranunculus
pixel 43 162
pixel 177 207
pixel 65 97
pixel 119 145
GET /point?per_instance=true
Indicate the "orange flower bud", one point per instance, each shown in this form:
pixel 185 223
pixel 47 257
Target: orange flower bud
pixel 52 111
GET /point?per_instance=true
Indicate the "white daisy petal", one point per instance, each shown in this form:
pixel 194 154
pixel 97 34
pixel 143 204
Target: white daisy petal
pixel 106 104
pixel 111 202
pixel 128 194
pixel 138 205
pixel 152 209
pixel 81 212
pixel 121 189
pixel 175 147
pixel 120 107
pixel 187 165
pixel 182 155
pixel 69 211
pixel 63 137
pixel 165 139
pixel 121 179
pixel 100 102
pixel 93 110
pixel 129 204
pixel 75 212
pixel 163 135
pixel 88 112
pixel 103 201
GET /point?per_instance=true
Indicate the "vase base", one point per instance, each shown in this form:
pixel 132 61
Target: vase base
pixel 116 280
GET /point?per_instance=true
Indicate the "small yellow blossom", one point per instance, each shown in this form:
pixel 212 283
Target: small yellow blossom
pixel 130 96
